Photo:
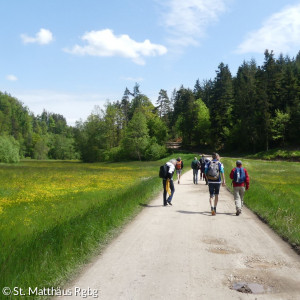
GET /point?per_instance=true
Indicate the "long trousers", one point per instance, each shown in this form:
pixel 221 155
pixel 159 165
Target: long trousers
pixel 238 193
pixel 169 199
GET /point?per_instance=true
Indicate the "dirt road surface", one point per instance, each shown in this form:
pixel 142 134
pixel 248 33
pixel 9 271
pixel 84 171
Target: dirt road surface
pixel 182 252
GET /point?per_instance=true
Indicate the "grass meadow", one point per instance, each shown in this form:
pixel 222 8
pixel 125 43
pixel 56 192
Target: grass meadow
pixel 277 154
pixel 54 215
pixel 274 194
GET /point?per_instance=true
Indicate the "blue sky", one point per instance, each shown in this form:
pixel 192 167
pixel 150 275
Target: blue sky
pixel 66 56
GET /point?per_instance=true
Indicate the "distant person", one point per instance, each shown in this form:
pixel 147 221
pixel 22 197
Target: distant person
pixel 170 168
pixel 240 181
pixel 214 171
pixel 179 167
pixel 194 166
pixel 202 167
pixel 206 160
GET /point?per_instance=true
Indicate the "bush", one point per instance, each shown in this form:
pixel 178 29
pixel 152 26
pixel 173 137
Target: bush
pixel 115 154
pixel 9 150
pixel 155 152
pixel 62 147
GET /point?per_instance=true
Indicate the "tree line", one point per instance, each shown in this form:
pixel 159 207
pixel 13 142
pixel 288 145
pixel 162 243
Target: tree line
pixel 257 109
pixel 130 128
pixel 27 136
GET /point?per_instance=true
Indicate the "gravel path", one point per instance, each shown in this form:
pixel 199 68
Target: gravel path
pixel 182 252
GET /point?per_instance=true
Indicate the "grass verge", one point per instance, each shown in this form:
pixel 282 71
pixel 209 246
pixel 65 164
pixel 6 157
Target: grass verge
pixel 277 154
pixel 273 195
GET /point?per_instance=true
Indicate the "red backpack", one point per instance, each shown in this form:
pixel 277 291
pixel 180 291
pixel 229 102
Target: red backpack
pixel 178 165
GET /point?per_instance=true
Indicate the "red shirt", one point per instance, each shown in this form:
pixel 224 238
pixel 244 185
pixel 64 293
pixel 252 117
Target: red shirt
pixel 243 183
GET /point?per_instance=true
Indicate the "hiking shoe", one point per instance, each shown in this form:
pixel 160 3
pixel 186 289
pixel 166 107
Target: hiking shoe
pixel 238 211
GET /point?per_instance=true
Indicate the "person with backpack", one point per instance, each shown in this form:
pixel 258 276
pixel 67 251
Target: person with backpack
pixel 214 170
pixel 240 181
pixel 195 167
pixel 202 167
pixel 166 173
pixel 179 167
pixel 206 161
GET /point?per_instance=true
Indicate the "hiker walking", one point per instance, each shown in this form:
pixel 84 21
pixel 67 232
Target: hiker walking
pixel 202 167
pixel 206 161
pixel 179 167
pixel 168 180
pixel 195 166
pixel 214 171
pixel 240 181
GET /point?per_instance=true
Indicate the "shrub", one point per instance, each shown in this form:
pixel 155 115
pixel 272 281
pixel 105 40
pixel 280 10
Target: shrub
pixel 155 152
pixel 9 150
pixel 115 154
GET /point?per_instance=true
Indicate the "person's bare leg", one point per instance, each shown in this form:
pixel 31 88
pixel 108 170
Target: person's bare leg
pixel 216 202
pixel 211 201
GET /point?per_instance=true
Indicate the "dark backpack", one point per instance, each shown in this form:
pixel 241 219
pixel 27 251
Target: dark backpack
pixel 163 171
pixel 213 172
pixel 239 175
pixel 195 164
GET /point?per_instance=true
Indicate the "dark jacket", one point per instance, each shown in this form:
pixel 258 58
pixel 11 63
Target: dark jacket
pixel 194 164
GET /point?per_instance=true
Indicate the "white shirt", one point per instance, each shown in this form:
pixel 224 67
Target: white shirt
pixel 171 167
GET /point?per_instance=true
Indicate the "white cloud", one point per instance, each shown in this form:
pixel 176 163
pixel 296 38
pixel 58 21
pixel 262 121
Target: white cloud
pixel 43 37
pixel 187 21
pixel 280 33
pixel 105 43
pixel 11 77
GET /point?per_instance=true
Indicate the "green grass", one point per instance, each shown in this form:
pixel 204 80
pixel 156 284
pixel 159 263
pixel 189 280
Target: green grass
pixel 277 154
pixel 274 194
pixel 55 215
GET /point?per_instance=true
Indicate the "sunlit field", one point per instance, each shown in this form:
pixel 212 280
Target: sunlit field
pixel 274 194
pixel 54 215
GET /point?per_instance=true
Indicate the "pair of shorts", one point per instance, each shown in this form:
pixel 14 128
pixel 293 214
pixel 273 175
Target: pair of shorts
pixel 178 172
pixel 214 188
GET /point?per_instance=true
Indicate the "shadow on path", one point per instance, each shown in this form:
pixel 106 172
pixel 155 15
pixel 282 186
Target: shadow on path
pixel 205 213
pixel 147 205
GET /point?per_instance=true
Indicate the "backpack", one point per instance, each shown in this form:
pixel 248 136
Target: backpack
pixel 213 172
pixel 195 164
pixel 178 165
pixel 239 175
pixel 163 171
